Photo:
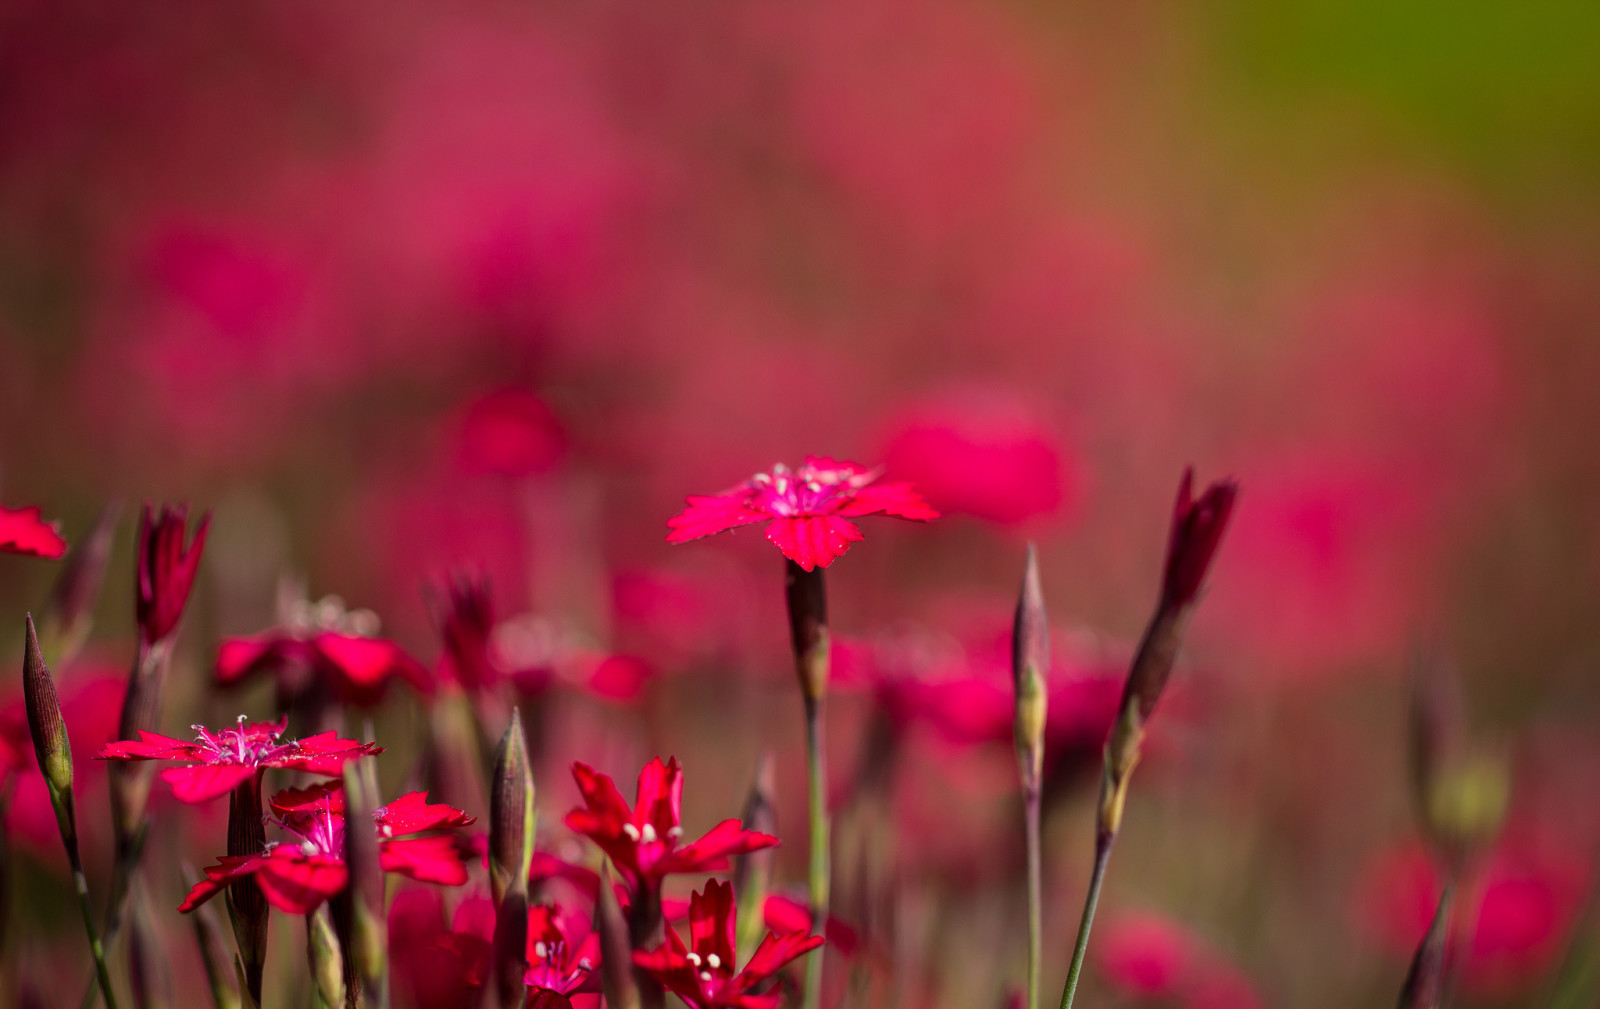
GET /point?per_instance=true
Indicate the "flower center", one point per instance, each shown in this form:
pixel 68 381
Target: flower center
pixel 248 745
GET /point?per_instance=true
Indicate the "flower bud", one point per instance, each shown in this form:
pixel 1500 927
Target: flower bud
pixel 164 569
pixel 1030 659
pixel 1424 985
pixel 247 906
pixel 367 926
pixel 1197 528
pixel 511 813
pixel 47 727
pixel 324 957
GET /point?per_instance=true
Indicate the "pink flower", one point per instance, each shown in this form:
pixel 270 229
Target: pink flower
pixel 643 842
pixel 464 611
pixel 810 508
pixel 24 531
pixel 333 645
pixel 557 962
pixel 165 568
pixel 221 760
pixel 704 975
pixel 1149 957
pixel 510 432
pixel 297 877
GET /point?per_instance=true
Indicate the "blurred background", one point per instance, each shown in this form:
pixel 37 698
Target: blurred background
pixel 401 290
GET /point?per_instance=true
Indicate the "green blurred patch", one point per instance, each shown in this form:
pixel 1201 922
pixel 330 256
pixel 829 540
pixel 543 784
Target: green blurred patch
pixel 1510 86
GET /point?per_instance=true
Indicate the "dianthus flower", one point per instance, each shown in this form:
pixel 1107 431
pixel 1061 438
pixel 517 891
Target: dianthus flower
pixel 165 569
pixel 337 646
pixel 24 531
pixel 809 508
pixel 219 761
pixel 297 876
pixel 704 974
pixel 643 842
pixel 557 961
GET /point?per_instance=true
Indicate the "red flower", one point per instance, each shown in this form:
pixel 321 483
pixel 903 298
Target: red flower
pixel 1197 528
pixel 556 963
pixel 24 531
pixel 221 760
pixel 643 842
pixel 810 508
pixel 297 877
pixel 464 611
pixel 703 975
pixel 334 645
pixel 165 570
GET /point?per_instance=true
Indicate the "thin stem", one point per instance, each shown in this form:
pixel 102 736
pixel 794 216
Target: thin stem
pixel 820 874
pixel 1102 854
pixel 81 884
pixel 1030 812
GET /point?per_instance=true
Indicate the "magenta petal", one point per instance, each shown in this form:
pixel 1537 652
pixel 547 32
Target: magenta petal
pixel 24 531
pixel 897 499
pixel 296 883
pixel 413 812
pixel 815 541
pixel 203 782
pixel 435 859
pixel 712 514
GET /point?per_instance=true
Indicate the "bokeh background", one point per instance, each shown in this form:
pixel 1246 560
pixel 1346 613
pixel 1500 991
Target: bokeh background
pixel 400 289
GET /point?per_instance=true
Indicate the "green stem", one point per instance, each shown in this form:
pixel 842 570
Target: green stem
pixel 1102 854
pixel 817 781
pixel 1035 892
pixel 81 884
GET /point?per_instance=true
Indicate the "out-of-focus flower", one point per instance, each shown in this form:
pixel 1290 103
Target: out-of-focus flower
pixel 557 962
pixel 1148 956
pixel 299 875
pixel 334 645
pixel 165 568
pixel 705 974
pixel 809 508
pixel 220 760
pixel 24 531
pixel 464 610
pixel 643 842
pixel 979 454
pixel 436 967
pixel 510 432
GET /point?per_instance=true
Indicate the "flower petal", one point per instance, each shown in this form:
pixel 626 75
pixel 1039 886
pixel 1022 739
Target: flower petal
pixel 710 853
pixel 813 541
pixel 227 869
pixel 435 859
pixel 897 499
pixel 204 782
pixel 660 794
pixel 413 812
pixel 24 531
pixel 296 883
pixel 151 746
pixel 707 514
pixel 774 952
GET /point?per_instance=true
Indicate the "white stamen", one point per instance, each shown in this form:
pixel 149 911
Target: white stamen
pixel 631 831
pixel 694 958
pixel 586 963
pixel 540 950
pixel 649 833
pixel 705 975
pixel 675 833
pixel 713 961
pixel 308 847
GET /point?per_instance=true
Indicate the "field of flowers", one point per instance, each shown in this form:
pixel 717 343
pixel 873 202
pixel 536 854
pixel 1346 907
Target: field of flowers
pixel 1165 434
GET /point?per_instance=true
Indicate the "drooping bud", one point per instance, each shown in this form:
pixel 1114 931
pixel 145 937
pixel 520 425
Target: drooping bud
pixel 164 569
pixel 213 949
pixel 69 612
pixel 368 931
pixel 1030 660
pixel 49 730
pixel 752 871
pixel 617 976
pixel 324 957
pixel 807 597
pixel 511 831
pixel 247 906
pixel 1424 985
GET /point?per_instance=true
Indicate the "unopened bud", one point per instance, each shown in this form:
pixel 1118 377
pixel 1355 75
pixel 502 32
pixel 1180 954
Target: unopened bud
pixel 1197 528
pixel 511 813
pixel 69 612
pixel 807 597
pixel 324 957
pixel 49 730
pixel 1030 660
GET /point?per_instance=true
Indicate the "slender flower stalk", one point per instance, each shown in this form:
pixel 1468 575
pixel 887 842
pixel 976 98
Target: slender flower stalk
pixel 808 631
pixel 1197 529
pixel 752 871
pixel 247 905
pixel 51 747
pixel 69 612
pixel 511 834
pixel 1030 659
pixel 213 951
pixel 617 975
pixel 367 925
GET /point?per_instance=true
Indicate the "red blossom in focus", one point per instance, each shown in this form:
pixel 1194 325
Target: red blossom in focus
pixel 643 842
pixel 809 508
pixel 221 760
pixel 299 875
pixel 703 974
pixel 1197 528
pixel 24 531
pixel 165 568
pixel 556 961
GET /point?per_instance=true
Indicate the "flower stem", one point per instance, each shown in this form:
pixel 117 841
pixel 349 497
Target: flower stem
pixel 820 874
pixel 81 884
pixel 1030 815
pixel 1102 854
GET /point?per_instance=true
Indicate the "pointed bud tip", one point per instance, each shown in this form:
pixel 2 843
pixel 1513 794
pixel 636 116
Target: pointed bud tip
pixel 45 723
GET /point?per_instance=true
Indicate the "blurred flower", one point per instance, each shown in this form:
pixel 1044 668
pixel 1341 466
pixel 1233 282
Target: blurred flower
pixel 557 963
pixel 510 432
pixel 464 612
pixel 810 508
pixel 1147 956
pixel 226 758
pixel 24 531
pixel 437 967
pixel 643 842
pixel 980 454
pixel 705 976
pixel 165 568
pixel 298 876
